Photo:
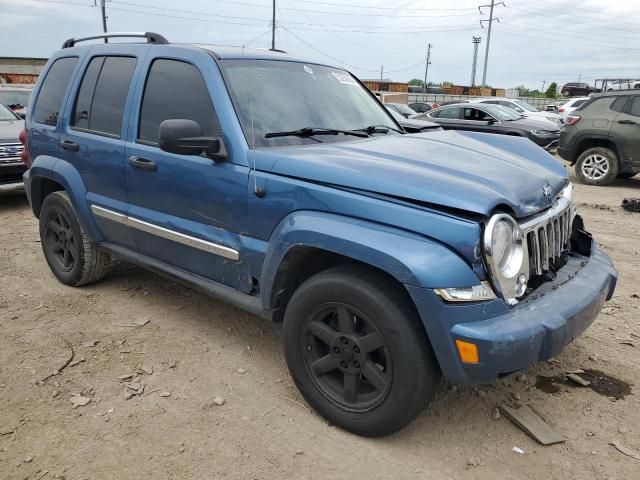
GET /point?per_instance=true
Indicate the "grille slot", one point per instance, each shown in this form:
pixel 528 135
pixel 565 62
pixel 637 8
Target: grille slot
pixel 548 238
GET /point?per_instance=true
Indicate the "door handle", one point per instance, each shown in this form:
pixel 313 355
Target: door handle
pixel 142 163
pixel 69 145
pixel 627 122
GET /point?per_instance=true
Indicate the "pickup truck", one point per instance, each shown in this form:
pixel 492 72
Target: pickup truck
pixel 283 186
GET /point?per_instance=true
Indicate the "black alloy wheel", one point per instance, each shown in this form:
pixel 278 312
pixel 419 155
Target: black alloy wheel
pixel 347 357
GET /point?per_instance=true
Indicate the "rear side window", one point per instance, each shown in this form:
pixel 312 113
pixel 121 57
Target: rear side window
pixel 618 104
pixel 52 91
pixel 449 113
pixel 175 89
pixel 578 103
pixel 635 106
pixel 599 106
pixel 102 95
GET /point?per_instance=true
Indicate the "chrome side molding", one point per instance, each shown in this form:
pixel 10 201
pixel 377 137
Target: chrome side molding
pixel 166 233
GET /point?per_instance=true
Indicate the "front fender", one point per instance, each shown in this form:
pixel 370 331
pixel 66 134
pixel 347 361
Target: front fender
pixel 63 173
pixel 409 258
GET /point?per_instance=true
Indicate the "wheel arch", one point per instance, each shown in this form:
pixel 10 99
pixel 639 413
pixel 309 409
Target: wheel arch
pixel 49 174
pixel 305 243
pixel 586 143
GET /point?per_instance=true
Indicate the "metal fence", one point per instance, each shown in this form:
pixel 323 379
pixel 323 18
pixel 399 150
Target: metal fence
pixel 538 103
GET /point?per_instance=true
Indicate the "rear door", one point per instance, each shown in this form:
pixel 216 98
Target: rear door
pixel 626 131
pixel 447 117
pixel 185 210
pixel 92 139
pixel 477 120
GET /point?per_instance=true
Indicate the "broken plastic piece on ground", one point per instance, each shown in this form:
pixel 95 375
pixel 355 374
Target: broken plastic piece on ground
pixel 631 204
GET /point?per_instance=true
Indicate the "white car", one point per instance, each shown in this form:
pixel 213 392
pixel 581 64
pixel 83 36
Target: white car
pixel 523 108
pixel 565 110
pixel 622 85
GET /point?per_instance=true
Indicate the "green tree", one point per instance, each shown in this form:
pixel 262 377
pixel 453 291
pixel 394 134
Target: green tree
pixel 552 91
pixel 415 82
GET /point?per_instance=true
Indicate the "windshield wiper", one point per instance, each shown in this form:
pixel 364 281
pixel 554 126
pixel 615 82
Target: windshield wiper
pixel 377 129
pixel 311 131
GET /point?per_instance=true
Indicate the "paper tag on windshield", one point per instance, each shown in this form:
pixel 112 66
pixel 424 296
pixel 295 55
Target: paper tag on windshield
pixel 344 78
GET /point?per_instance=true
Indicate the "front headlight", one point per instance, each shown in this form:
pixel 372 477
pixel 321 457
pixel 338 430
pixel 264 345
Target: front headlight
pixel 505 256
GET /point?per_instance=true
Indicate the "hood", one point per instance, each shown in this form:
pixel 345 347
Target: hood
pixel 9 130
pixel 469 171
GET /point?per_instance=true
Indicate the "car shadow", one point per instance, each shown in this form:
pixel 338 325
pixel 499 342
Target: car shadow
pixel 13 201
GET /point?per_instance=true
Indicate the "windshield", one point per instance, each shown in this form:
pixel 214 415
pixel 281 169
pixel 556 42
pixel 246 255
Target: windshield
pixel 15 97
pixel 6 114
pixel 286 96
pixel 502 113
pixel 524 105
pixel 404 109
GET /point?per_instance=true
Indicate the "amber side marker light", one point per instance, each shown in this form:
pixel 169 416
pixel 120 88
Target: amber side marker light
pixel 468 352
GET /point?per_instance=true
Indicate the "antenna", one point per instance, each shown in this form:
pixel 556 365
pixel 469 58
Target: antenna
pixel 259 192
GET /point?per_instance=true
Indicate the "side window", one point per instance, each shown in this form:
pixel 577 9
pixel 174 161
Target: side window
pixel 175 89
pixel 452 113
pixel 476 114
pixel 103 94
pixel 55 83
pixel 635 106
pixel 618 104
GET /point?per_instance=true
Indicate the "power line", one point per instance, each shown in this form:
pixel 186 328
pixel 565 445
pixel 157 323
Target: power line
pixel 373 7
pixel 486 50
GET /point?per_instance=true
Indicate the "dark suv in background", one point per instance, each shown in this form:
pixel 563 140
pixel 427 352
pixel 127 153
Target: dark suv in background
pixel 602 138
pixel 575 89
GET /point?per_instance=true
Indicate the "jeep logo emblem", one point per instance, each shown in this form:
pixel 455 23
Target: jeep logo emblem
pixel 546 190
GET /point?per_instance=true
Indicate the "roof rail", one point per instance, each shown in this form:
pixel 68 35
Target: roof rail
pixel 150 36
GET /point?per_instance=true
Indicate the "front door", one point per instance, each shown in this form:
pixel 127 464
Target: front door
pixel 184 210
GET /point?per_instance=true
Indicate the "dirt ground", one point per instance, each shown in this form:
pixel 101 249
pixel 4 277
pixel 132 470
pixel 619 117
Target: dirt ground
pixel 197 349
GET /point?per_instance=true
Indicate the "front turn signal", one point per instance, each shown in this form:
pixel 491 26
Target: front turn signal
pixel 468 352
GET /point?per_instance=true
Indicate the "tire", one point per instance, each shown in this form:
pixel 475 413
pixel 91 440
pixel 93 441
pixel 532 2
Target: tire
pixel 71 255
pixel 367 334
pixel 626 175
pixel 597 166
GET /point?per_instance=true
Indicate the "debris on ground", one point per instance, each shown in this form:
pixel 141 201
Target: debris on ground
pixel 219 401
pixel 242 370
pixel 66 363
pixel 165 394
pixel 578 379
pixel 90 344
pixel 79 401
pixel 532 424
pixel 627 451
pixel 631 204
pixel 517 450
pixel 148 369
pixel 495 414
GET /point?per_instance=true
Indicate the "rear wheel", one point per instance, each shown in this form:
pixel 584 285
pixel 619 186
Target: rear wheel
pixel 73 259
pixel 597 166
pixel 358 352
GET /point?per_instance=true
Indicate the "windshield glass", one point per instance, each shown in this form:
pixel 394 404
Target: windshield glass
pixel 525 106
pixel 502 113
pixel 6 114
pixel 14 97
pixel 286 96
pixel 404 109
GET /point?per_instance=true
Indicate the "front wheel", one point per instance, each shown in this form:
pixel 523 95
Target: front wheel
pixel 357 351
pixel 597 166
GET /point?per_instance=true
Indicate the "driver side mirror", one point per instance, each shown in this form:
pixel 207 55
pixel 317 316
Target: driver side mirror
pixel 184 137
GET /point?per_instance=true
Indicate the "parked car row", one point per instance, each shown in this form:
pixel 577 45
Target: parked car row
pixel 16 98
pixel 11 164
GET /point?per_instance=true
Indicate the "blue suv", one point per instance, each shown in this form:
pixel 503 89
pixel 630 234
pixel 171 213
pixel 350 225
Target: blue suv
pixel 284 187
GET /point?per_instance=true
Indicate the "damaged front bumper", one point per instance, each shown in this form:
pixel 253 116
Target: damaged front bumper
pixel 512 338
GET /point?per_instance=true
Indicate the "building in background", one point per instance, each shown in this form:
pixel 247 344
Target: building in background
pixel 20 70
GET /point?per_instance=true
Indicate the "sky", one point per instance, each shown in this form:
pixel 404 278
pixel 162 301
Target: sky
pixel 536 41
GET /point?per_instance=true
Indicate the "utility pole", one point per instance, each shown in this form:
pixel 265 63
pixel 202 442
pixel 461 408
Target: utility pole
pixel 476 41
pixel 381 72
pixel 579 77
pixel 426 69
pixel 273 27
pixel 544 82
pixel 486 50
pixel 103 10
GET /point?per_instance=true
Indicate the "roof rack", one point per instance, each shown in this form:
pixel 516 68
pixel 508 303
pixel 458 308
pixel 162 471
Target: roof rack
pixel 150 36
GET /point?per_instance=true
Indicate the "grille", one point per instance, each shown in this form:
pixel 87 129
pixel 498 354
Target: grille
pixel 10 152
pixel 547 237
